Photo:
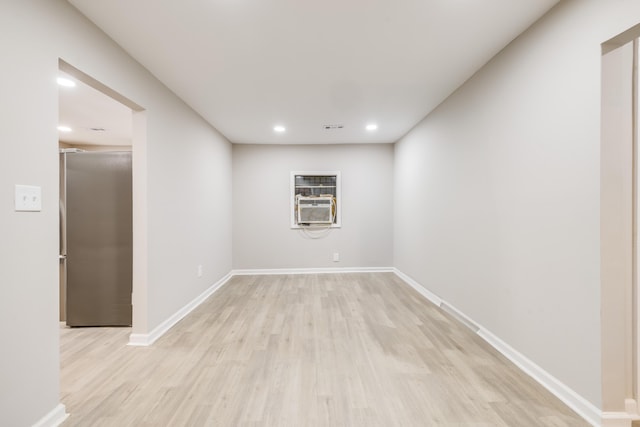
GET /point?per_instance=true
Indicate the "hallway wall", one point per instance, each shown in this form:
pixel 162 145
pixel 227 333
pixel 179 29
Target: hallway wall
pixel 497 193
pixel 188 187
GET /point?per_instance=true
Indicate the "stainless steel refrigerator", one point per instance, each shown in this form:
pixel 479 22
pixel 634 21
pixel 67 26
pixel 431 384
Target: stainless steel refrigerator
pixel 96 238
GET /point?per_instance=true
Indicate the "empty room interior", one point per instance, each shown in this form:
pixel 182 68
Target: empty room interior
pixel 411 213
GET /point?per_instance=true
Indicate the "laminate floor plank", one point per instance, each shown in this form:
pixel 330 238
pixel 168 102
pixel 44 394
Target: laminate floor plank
pixel 359 349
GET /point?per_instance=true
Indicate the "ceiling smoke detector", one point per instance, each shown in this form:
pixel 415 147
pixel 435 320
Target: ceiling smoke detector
pixel 332 127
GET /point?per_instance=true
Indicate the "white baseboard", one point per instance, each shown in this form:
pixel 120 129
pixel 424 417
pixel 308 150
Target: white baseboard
pixel 573 400
pixel 579 404
pixel 141 340
pixel 54 418
pixel 158 331
pixel 616 419
pixel 460 316
pixel 271 271
pixel 419 288
pixel 622 419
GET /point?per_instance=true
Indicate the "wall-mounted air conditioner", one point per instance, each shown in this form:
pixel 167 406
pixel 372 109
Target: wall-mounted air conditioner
pixel 315 199
pixel 315 210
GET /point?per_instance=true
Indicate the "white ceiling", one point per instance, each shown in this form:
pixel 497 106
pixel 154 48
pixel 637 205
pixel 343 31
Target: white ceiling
pixel 247 65
pixel 94 118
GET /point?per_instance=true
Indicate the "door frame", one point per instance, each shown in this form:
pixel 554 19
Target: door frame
pixel 139 298
pixel 620 216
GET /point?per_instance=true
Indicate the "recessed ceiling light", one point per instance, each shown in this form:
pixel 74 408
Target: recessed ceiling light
pixel 62 81
pixel 372 126
pixel 64 128
pixel 279 128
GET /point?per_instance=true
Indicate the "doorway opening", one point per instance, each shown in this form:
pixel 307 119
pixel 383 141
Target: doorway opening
pixel 107 122
pixel 620 216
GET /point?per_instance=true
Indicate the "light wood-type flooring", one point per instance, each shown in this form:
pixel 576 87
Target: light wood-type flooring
pixel 303 350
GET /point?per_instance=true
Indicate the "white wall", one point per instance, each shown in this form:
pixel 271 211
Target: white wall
pixel 262 237
pixel 188 188
pixel 190 210
pixel 497 193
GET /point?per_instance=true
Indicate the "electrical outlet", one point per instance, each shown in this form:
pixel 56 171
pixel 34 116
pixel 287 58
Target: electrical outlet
pixel 28 198
pixel 336 257
pixel 200 271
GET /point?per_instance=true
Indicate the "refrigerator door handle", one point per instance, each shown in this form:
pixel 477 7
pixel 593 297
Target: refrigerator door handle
pixel 63 227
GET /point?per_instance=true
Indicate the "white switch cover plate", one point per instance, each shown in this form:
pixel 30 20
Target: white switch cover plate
pixel 28 198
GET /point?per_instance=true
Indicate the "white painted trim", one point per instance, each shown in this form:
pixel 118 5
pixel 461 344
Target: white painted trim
pixel 622 419
pixel 54 418
pixel 579 404
pixel 460 316
pixel 616 419
pixel 158 331
pixel 140 340
pixel 635 328
pixel 271 271
pixel 418 287
pixel 631 406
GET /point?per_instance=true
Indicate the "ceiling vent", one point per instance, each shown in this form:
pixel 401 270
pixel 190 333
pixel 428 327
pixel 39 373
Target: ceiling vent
pixel 332 127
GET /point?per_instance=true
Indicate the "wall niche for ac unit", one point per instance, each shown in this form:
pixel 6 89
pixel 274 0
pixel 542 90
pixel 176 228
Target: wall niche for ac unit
pixel 315 199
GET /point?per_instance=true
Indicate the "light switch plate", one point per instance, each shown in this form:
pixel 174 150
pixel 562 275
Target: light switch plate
pixel 28 198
